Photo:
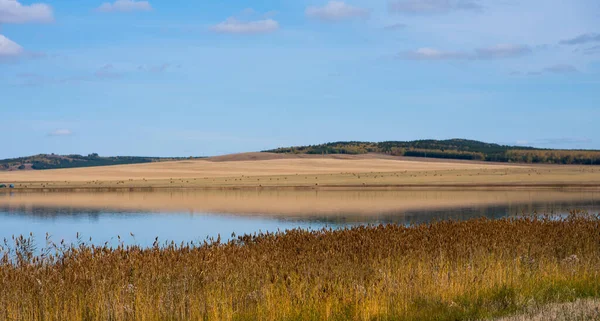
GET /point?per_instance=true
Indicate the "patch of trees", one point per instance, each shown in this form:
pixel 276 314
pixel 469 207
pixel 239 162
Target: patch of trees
pixel 89 162
pixel 449 154
pixel 578 157
pixel 52 161
pixel 452 149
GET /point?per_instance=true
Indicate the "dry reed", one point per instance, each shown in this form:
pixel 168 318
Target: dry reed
pixel 447 270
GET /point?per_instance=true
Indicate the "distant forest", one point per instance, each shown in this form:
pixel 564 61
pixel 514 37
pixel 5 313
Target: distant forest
pixel 453 149
pixel 52 161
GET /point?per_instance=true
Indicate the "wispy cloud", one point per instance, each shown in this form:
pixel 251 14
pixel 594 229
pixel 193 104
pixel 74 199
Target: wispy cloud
pixel 124 6
pixel 30 79
pixel 234 26
pixel 582 39
pixel 522 142
pixel 502 51
pixel 434 54
pixel 563 140
pixel 555 69
pixel 494 52
pixel 107 71
pixel 561 69
pixel 591 50
pixel 433 6
pixel 336 11
pixel 33 79
pixel 9 49
pixel 104 73
pixel 395 26
pixel 157 68
pixel 60 132
pixel 12 11
pixel 556 142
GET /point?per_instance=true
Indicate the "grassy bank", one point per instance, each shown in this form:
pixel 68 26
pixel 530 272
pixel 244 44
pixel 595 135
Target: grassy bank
pixel 442 271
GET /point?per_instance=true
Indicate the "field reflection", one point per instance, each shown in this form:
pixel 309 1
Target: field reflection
pixel 185 215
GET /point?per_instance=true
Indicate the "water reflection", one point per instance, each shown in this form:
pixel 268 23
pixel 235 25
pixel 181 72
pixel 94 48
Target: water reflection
pixel 185 216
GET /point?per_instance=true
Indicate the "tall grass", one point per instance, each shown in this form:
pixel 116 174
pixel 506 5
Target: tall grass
pixel 441 271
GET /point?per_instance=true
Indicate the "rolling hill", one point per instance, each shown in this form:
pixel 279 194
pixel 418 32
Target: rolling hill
pixel 452 149
pixel 53 161
pixel 461 149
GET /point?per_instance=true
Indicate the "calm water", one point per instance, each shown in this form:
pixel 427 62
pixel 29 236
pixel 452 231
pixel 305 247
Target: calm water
pixel 204 214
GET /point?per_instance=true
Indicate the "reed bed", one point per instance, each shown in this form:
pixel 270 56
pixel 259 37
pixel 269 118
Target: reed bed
pixel 449 270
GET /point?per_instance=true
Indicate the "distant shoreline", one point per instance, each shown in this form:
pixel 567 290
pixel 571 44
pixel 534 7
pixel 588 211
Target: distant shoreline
pixel 398 187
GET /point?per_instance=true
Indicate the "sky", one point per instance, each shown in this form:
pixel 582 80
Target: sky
pixel 200 78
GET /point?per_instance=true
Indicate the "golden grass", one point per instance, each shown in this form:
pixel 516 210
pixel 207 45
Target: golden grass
pixel 441 271
pixel 362 171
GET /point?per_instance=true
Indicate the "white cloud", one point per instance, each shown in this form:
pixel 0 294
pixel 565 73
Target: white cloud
pixel 125 6
pixel 335 11
pixel 235 26
pixel 494 52
pixel 61 132
pixel 9 49
pixel 433 6
pixel 434 54
pixel 11 11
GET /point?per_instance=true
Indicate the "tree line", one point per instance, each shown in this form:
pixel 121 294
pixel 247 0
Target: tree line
pixel 453 149
pixel 52 161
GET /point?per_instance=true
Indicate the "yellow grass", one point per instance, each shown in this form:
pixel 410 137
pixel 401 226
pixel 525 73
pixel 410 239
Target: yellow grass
pixel 268 171
pixel 443 271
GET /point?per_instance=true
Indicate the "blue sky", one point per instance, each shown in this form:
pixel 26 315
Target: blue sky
pixel 175 78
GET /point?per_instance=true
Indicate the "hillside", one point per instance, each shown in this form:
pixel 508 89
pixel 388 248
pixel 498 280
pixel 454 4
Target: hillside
pixel 452 149
pixel 372 170
pixel 461 149
pixel 52 161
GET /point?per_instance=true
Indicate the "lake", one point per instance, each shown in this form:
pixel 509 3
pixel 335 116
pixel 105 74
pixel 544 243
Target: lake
pixel 193 215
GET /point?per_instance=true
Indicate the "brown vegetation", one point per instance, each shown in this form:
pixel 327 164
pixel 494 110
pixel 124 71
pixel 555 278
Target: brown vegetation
pixel 441 271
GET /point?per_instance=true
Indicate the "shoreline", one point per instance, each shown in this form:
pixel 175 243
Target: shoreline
pixel 364 173
pixel 350 187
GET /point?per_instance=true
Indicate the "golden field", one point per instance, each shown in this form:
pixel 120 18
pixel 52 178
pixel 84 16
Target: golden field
pixel 263 170
pixel 470 270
